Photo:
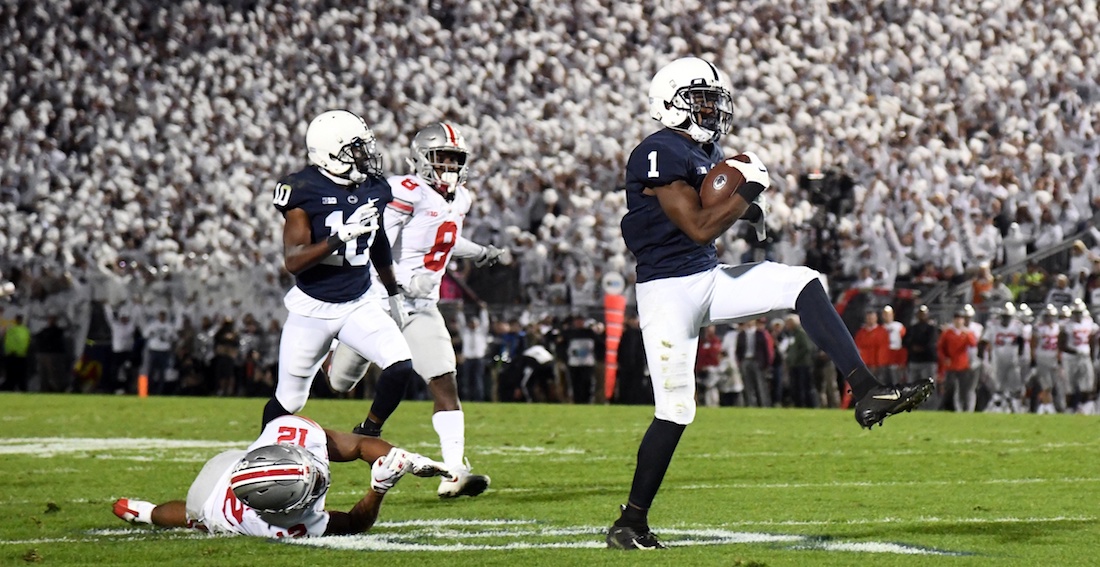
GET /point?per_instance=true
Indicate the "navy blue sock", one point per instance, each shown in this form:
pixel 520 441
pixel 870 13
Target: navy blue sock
pixel 826 329
pixel 654 456
pixel 272 410
pixel 390 389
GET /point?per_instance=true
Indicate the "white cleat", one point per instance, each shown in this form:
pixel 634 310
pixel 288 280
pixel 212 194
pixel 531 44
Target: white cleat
pixel 463 483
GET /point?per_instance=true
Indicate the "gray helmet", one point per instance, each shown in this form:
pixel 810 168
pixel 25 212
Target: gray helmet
pixel 429 147
pixel 279 478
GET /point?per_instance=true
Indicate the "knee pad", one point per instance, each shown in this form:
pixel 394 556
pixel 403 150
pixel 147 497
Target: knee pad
pixel 347 369
pixel 675 403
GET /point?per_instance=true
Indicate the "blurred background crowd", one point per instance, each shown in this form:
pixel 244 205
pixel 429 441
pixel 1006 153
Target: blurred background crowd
pixel 923 153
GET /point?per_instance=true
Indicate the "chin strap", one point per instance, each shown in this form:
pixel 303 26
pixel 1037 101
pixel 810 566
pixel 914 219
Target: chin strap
pixel 702 135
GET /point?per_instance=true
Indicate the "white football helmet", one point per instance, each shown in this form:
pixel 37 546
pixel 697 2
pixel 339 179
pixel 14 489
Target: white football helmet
pixel 690 95
pixel 439 156
pixel 279 478
pixel 339 142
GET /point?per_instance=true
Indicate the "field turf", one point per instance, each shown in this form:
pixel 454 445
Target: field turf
pixel 747 487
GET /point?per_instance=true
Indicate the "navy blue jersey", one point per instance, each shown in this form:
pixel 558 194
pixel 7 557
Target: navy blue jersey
pixel 661 248
pixel 345 275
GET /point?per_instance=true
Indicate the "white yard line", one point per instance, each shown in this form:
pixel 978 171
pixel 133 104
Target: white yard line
pixel 455 534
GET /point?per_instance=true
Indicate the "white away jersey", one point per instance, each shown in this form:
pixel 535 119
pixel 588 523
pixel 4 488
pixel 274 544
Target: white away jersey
pixel 224 513
pixel 1080 335
pixel 1003 339
pixel 1046 338
pixel 423 228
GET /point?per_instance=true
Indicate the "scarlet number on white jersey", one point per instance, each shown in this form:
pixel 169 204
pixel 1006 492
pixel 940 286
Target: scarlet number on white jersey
pixel 292 435
pixel 436 258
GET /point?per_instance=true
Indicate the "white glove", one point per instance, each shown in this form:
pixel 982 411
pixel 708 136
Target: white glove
pixel 387 470
pixel 754 171
pixel 424 467
pixel 488 257
pixel 420 285
pixel 363 221
pixel 759 225
pixel 397 310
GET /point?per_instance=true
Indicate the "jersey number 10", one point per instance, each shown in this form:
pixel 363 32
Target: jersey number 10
pixel 351 251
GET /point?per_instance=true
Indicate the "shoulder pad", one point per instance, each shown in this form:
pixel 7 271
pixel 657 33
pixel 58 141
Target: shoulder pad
pixel 407 188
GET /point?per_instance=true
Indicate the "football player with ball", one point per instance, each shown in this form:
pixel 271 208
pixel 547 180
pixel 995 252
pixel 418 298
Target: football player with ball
pixel 681 287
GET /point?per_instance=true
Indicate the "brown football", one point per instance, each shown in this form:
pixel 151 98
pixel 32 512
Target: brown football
pixel 721 181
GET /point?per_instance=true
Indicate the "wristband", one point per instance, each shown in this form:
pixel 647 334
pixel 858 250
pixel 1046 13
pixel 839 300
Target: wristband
pixel 334 242
pixel 749 191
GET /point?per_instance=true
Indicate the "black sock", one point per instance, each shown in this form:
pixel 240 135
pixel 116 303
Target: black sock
pixel 654 456
pixel 633 517
pixel 827 330
pixel 272 410
pixel 369 428
pixel 390 389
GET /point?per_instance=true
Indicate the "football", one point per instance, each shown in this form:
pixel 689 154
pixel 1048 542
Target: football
pixel 721 181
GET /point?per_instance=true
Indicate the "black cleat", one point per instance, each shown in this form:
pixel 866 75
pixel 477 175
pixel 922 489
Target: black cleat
pixel 884 401
pixel 623 537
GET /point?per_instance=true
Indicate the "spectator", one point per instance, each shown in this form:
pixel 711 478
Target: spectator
pixel 1061 294
pixel 732 386
pixel 632 377
pixel 954 353
pixel 799 357
pixel 580 348
pixel 475 349
pixel 707 372
pixel 17 343
pixel 755 358
pixel 119 372
pixel 227 346
pixel 873 342
pixel 51 358
pixel 895 356
pixel 920 342
pixel 160 336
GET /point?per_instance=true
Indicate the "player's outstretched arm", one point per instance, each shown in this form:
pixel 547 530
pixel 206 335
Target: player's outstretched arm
pixel 171 514
pixel 680 202
pixel 344 447
pixel 359 519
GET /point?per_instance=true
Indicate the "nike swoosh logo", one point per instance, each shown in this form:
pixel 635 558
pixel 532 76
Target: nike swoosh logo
pixel 763 169
pixel 892 396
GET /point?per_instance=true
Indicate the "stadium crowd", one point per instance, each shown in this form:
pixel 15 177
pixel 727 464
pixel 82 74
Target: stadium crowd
pixel 911 143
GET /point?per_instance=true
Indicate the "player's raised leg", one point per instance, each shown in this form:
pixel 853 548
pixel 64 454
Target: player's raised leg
pixel 753 290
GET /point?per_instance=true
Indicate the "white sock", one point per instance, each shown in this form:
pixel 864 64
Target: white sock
pixel 451 428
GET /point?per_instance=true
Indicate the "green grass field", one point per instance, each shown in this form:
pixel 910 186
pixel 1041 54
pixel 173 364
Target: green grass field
pixel 747 487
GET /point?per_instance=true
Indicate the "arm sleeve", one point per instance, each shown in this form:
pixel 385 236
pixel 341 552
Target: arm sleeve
pixel 465 248
pixel 380 253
